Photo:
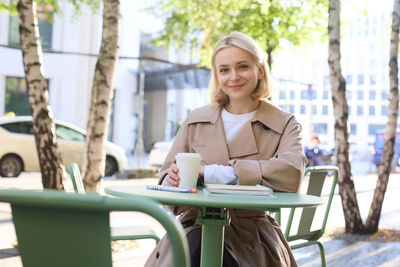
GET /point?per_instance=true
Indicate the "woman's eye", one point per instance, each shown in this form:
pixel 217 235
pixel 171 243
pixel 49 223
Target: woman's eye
pixel 223 70
pixel 243 67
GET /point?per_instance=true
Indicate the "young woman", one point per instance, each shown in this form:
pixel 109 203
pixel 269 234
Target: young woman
pixel 243 139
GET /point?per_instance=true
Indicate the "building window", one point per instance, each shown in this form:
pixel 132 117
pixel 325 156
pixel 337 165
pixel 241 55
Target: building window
pixel 325 94
pixel 291 109
pixel 372 79
pixel 17 96
pixel 45 30
pixel 314 109
pixel 384 110
pixel 326 80
pixel 306 95
pixel 360 110
pixel 320 128
pixel 302 109
pixel 360 79
pixel 349 110
pixel 325 110
pixel 373 128
pixel 349 79
pixel 360 94
pixel 292 94
pixel 371 110
pixel 353 129
pixel 348 94
pixel 385 95
pixel 372 95
pixel 282 94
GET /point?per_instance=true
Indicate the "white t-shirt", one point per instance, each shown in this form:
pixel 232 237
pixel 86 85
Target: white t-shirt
pixel 219 174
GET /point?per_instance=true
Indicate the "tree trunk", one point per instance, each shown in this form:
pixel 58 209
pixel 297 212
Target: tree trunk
pixel 49 155
pixel 390 133
pixel 102 90
pixel 353 222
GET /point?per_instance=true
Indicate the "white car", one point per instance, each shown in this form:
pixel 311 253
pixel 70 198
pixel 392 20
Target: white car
pixel 18 147
pixel 159 152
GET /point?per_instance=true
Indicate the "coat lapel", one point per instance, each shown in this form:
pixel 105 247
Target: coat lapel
pixel 244 143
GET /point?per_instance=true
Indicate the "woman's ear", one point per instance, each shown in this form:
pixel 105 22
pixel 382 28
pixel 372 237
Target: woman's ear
pixel 260 72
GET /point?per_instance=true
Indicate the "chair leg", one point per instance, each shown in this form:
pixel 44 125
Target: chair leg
pixel 322 253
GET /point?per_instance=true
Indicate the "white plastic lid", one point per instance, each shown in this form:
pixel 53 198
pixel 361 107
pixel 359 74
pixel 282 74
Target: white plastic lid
pixel 188 155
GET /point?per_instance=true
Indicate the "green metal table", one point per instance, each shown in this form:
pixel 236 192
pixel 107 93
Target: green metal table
pixel 213 213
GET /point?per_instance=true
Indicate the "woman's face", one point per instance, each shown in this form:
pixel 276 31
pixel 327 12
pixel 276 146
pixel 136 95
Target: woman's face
pixel 237 72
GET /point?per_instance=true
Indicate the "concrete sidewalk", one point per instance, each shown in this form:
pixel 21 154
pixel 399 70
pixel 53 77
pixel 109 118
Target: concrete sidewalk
pixel 352 250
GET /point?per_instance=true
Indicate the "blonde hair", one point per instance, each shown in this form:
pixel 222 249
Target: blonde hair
pixel 245 42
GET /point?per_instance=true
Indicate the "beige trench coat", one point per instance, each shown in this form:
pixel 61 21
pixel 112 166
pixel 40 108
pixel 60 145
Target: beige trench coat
pixel 268 150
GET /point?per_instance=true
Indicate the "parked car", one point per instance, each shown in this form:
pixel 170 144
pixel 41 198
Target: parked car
pixel 378 148
pixel 159 152
pixel 18 148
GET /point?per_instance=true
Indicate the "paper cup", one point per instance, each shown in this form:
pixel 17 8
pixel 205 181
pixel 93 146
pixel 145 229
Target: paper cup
pixel 188 165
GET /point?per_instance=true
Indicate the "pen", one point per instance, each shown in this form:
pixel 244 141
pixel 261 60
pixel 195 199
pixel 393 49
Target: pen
pixel 172 189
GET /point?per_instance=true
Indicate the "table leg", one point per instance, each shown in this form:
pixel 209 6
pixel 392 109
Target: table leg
pixel 213 221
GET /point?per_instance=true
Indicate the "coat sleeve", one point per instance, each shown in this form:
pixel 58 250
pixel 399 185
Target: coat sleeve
pixel 283 171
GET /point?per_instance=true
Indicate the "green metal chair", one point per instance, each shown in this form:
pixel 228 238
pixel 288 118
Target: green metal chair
pixel 117 233
pixel 60 229
pixel 309 232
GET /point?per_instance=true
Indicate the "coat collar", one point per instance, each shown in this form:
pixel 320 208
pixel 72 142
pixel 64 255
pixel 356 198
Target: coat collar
pixel 269 115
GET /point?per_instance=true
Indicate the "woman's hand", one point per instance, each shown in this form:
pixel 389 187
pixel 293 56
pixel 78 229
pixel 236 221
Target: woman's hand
pixel 173 178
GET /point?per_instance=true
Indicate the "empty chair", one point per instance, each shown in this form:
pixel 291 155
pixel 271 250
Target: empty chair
pixel 117 233
pixel 60 229
pixel 311 228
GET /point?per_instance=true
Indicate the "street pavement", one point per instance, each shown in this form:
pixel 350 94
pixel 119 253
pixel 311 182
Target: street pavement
pixel 350 251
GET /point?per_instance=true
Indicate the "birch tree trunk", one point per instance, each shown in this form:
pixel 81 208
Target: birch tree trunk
pixel 102 90
pixel 49 155
pixel 353 222
pixel 390 133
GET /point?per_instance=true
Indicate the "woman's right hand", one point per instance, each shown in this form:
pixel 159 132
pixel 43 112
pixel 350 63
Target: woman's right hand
pixel 173 178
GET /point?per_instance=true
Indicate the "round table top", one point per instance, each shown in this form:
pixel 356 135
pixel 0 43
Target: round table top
pixel 205 199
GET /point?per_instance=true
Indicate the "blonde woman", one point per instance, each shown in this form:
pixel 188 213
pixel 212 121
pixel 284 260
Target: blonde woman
pixel 243 139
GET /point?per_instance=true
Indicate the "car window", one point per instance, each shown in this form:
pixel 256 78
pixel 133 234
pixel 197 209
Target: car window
pixel 24 127
pixel 68 134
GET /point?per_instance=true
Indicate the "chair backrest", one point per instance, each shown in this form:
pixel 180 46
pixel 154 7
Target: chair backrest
pixel 59 229
pixel 318 176
pixel 76 178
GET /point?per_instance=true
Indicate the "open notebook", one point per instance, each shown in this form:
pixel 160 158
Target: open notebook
pixel 250 190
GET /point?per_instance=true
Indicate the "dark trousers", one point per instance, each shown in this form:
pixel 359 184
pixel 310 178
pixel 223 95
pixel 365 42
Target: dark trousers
pixel 194 240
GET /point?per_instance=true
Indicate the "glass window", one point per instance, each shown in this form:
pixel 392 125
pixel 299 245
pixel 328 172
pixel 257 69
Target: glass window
pixel 314 109
pixel 349 110
pixel 384 110
pixel 372 79
pixel 348 94
pixel 292 94
pixel 372 128
pixel 360 94
pixel 360 79
pixel 320 128
pixel 360 110
pixel 302 109
pixel 291 109
pixel 325 109
pixel 68 134
pixel 17 96
pixel 326 80
pixel 353 129
pixel 305 94
pixel 282 94
pixel 371 110
pixel 385 95
pixel 372 95
pixel 23 127
pixel 325 94
pixel 349 79
pixel 45 30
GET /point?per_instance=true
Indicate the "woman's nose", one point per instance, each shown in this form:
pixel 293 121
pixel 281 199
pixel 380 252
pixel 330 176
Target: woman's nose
pixel 234 75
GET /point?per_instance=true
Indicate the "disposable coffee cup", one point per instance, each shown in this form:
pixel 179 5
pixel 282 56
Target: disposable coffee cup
pixel 188 165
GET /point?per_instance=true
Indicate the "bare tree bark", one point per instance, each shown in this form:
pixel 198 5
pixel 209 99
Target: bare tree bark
pixel 102 90
pixel 385 166
pixel 353 221
pixel 49 155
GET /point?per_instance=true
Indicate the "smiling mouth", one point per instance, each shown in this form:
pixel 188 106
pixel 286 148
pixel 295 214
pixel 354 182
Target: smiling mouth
pixel 236 87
